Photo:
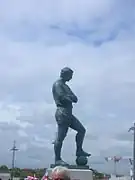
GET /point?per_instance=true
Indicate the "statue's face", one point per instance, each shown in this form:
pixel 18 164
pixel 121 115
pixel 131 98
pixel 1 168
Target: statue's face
pixel 68 76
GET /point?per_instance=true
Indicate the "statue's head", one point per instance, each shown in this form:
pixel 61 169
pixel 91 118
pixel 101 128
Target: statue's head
pixel 66 74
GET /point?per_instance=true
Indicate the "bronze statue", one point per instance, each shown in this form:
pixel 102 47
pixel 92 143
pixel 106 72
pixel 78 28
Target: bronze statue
pixel 64 98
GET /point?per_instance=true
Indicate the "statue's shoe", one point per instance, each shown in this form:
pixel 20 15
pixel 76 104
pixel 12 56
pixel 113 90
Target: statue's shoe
pixel 82 153
pixel 61 162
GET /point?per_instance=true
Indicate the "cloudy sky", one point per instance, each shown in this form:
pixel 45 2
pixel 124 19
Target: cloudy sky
pixel 97 40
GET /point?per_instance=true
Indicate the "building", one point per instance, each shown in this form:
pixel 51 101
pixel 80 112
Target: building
pixel 5 176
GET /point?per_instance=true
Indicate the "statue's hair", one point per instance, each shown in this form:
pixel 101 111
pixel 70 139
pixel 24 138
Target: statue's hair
pixel 61 170
pixel 65 70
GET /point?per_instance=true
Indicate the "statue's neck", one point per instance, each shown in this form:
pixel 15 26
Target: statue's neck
pixel 63 80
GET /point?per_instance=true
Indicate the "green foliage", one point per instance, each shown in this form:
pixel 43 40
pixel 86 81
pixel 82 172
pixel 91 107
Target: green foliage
pixel 98 175
pixel 16 172
pixel 4 169
pixel 23 173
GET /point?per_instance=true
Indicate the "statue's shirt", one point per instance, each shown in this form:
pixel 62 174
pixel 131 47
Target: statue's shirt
pixel 62 94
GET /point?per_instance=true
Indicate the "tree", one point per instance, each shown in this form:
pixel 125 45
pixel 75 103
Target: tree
pixel 98 175
pixel 17 172
pixel 4 168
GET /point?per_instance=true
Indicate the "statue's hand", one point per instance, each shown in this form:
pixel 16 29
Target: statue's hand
pixel 74 98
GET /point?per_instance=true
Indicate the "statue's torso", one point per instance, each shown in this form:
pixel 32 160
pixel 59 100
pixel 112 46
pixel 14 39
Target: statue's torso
pixel 61 89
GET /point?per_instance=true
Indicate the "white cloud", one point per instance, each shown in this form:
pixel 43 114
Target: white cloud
pixel 22 133
pixel 23 147
pixel 50 10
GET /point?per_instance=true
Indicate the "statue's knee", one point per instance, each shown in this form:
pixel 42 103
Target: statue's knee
pixel 83 130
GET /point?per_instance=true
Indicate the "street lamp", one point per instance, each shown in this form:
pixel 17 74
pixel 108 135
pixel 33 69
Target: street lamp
pixel 133 129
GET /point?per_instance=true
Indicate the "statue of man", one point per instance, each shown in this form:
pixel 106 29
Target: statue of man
pixel 64 99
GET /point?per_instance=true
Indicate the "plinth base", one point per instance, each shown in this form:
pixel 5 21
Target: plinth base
pixel 72 166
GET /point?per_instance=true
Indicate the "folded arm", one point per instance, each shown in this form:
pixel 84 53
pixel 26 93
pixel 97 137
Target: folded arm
pixel 67 97
pixel 72 95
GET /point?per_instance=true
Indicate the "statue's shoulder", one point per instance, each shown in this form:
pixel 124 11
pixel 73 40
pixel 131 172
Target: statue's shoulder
pixel 57 83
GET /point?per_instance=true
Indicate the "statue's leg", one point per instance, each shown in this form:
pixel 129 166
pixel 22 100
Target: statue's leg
pixel 62 131
pixel 77 126
pixel 62 120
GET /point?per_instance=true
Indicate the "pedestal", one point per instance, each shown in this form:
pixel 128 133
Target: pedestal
pixel 71 166
pixel 77 173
